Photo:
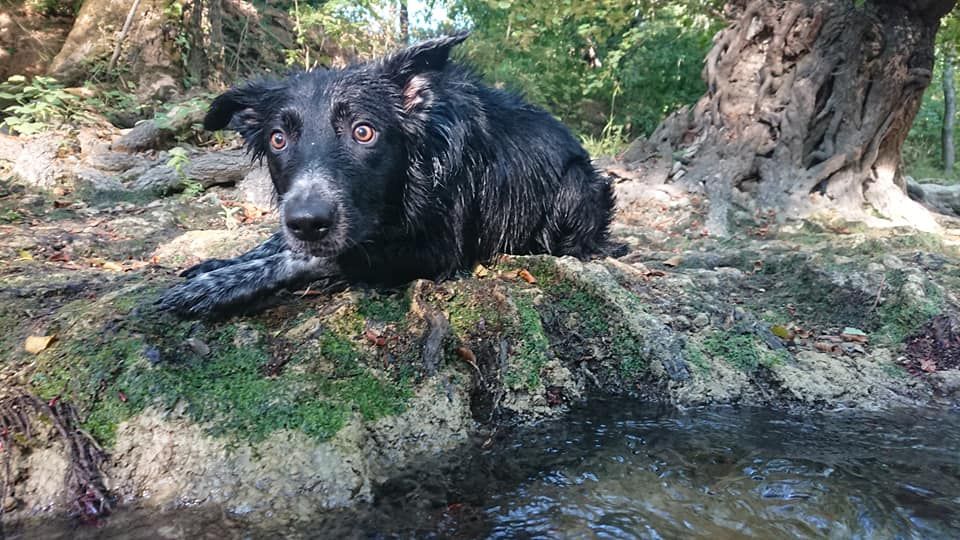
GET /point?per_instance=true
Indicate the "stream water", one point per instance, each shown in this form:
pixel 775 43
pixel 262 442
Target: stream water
pixel 621 469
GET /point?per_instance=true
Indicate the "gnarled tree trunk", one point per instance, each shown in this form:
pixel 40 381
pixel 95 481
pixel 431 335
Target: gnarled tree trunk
pixel 808 103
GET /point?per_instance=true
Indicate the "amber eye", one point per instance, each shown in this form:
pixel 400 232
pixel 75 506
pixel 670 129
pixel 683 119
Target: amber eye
pixel 278 140
pixel 364 133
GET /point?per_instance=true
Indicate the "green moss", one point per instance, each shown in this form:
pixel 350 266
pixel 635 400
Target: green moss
pixel 894 371
pixel 589 315
pixel 341 353
pixel 373 398
pixel 387 308
pixel 742 351
pixel 697 359
pixel 470 308
pixel 112 378
pixel 347 324
pixel 901 317
pixel 919 241
pixel 626 348
pixel 530 348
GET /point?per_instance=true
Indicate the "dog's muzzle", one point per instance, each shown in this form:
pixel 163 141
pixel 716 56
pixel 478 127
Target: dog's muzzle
pixel 310 218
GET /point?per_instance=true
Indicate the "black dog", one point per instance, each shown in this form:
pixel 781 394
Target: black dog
pixel 405 168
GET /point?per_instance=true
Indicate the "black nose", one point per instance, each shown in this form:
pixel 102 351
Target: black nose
pixel 309 220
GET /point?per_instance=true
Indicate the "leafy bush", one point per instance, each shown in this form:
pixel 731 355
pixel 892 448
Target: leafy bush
pixel 40 104
pixel 611 69
pixel 63 8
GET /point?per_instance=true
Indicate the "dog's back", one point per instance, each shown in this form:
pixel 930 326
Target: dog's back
pixel 489 173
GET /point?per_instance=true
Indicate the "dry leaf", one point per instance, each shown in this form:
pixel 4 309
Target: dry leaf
pixel 781 332
pixel 110 265
pixel 928 365
pixel 527 276
pixel 467 355
pixel 673 261
pixel 854 334
pixel 826 347
pixel 36 344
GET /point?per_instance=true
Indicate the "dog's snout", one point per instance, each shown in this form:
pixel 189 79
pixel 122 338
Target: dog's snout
pixel 310 219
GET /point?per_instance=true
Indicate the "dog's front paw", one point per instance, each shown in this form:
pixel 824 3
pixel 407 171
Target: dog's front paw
pixel 204 267
pixel 195 298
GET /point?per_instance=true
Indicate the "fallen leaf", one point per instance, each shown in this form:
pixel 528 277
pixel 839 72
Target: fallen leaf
pixel 36 344
pixel 928 365
pixel 467 355
pixel 781 332
pixel 112 266
pixel 25 255
pixel 826 347
pixel 375 337
pixel 122 396
pixel 673 261
pixel 854 334
pixel 526 276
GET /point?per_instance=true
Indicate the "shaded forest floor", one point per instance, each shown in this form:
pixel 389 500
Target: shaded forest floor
pixel 820 314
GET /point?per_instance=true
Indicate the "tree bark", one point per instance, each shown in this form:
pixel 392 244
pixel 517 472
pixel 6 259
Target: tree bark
pixel 205 55
pixel 949 109
pixel 807 104
pixel 404 22
pixel 144 51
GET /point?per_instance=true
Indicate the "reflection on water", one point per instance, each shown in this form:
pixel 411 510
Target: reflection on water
pixel 619 469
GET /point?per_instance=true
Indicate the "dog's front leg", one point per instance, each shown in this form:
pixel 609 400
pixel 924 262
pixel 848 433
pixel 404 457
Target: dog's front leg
pixel 240 285
pixel 272 246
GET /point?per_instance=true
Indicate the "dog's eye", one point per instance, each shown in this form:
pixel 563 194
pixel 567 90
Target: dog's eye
pixel 278 140
pixel 364 133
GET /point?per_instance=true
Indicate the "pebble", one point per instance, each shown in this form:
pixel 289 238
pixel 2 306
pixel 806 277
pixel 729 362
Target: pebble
pixel 198 346
pixel 9 504
pixel 701 320
pixel 680 323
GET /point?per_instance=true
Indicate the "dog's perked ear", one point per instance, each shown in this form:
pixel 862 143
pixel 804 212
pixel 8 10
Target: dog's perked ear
pixel 405 67
pixel 243 109
pixel 246 99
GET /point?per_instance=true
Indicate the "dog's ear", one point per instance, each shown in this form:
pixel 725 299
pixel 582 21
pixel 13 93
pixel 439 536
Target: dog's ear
pixel 239 105
pixel 407 67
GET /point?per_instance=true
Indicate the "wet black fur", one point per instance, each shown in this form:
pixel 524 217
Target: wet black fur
pixel 459 173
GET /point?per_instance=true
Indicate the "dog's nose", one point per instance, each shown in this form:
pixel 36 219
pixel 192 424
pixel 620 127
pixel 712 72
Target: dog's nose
pixel 311 220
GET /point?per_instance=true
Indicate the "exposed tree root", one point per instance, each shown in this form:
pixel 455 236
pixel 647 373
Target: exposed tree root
pixel 808 103
pixel 89 498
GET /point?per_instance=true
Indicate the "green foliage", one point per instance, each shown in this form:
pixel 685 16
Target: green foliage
pixel 61 8
pixel 173 114
pixel 40 104
pixel 179 159
pixel 364 29
pixel 922 150
pixel 613 69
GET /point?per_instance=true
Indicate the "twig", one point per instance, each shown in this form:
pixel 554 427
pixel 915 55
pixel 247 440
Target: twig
pixel 123 35
pixel 84 482
pixel 876 301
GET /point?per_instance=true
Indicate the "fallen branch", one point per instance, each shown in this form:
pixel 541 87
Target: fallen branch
pixel 123 35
